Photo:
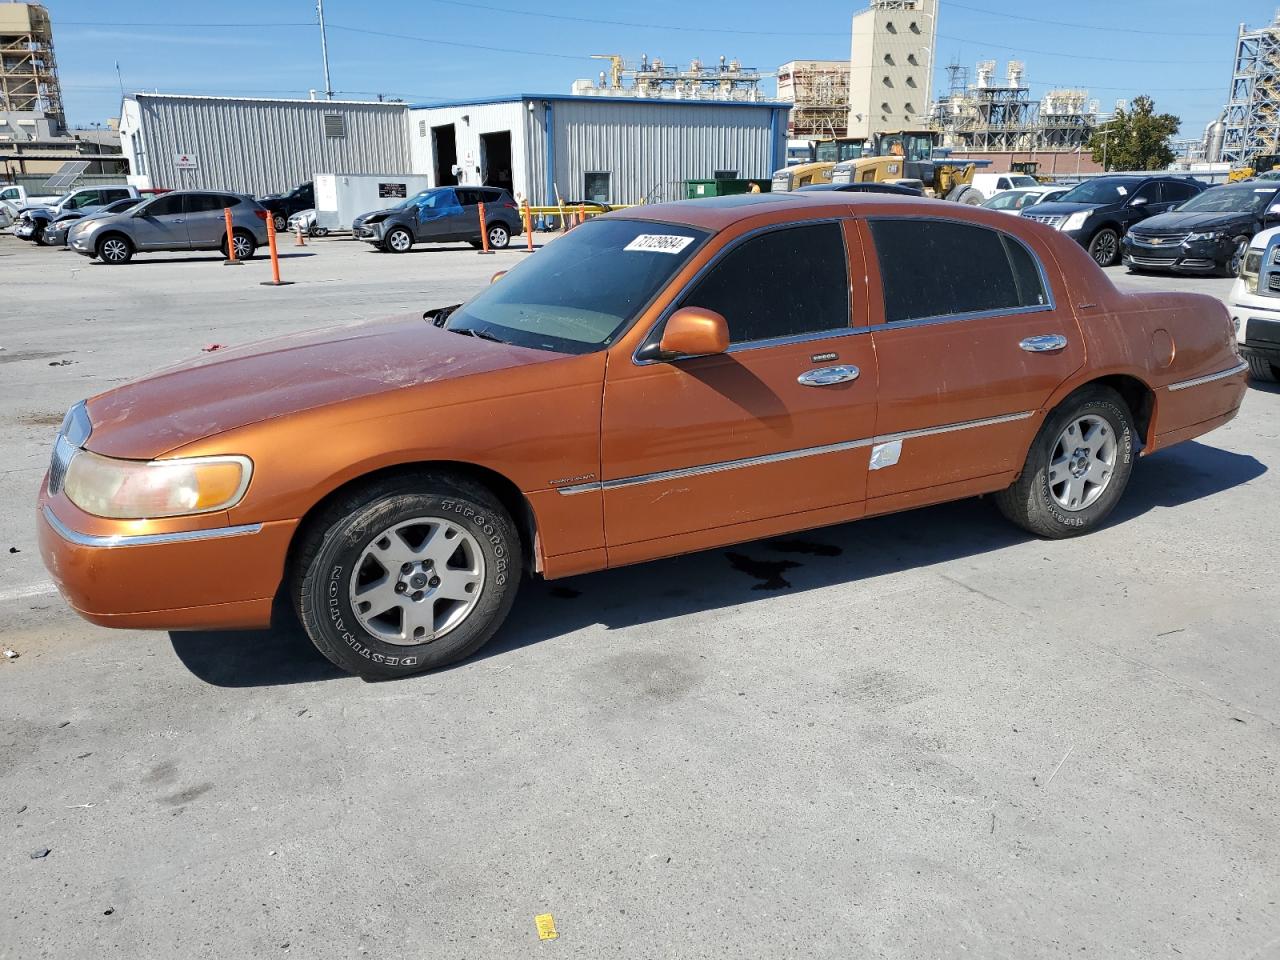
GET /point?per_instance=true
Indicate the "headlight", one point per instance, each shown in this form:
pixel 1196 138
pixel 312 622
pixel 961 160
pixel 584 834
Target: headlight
pixel 144 490
pixel 1075 221
pixel 1251 270
pixel 1213 235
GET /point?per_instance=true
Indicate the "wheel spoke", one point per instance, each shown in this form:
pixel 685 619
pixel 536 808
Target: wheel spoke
pixel 391 551
pixel 380 595
pixel 418 615
pixel 442 544
pixel 461 585
pixel 1059 471
pixel 1075 492
pixel 1099 471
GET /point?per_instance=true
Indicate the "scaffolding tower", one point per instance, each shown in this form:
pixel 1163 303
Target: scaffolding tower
pixel 1252 115
pixel 820 91
pixel 28 70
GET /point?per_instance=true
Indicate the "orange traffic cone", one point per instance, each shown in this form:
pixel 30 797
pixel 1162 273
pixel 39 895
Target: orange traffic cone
pixel 298 241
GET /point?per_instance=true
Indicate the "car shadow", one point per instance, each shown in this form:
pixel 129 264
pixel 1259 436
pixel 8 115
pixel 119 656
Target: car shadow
pixel 144 259
pixel 729 576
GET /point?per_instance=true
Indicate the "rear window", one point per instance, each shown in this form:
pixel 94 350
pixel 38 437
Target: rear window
pixel 579 292
pixel 971 269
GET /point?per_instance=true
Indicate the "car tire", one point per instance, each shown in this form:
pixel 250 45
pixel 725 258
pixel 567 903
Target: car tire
pixel 476 243
pixel 1262 369
pixel 246 245
pixel 280 222
pixel 319 231
pixel 398 240
pixel 1104 247
pixel 114 249
pixel 384 532
pixel 1233 265
pixel 1062 492
pixel 969 196
pixel 37 235
pixel 499 236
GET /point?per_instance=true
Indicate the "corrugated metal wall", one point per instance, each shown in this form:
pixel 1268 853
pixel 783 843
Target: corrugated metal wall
pixel 469 122
pixel 650 149
pixel 264 146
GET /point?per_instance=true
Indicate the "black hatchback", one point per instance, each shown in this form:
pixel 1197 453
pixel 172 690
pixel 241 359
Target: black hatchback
pixel 1209 233
pixel 1098 212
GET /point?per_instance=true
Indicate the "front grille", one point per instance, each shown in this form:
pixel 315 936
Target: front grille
pixel 1149 261
pixel 62 453
pixel 1052 220
pixel 1159 239
pixel 1273 282
pixel 1275 255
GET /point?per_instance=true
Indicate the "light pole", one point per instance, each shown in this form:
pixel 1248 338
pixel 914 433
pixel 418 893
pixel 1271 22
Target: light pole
pixel 324 51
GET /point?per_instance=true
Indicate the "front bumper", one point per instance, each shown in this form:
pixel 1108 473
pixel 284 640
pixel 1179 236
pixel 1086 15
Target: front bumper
pixel 1200 256
pixel 194 574
pixel 25 230
pixel 83 244
pixel 368 232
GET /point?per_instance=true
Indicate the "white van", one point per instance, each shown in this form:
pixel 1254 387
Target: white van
pixel 989 184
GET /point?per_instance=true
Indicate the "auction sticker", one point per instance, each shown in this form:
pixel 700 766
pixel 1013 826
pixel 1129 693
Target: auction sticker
pixel 659 243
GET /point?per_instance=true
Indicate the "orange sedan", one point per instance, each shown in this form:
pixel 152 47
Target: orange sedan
pixel 660 380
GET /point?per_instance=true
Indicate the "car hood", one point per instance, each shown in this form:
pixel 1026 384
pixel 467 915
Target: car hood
pixel 377 213
pixel 274 378
pixel 1199 222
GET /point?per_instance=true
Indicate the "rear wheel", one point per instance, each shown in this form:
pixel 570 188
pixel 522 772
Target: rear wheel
pixel 1262 369
pixel 499 236
pixel 115 249
pixel 963 193
pixel 280 222
pixel 1105 247
pixel 1077 467
pixel 245 244
pixel 407 574
pixel 399 240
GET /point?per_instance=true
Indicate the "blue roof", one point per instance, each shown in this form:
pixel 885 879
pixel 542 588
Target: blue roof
pixel 579 98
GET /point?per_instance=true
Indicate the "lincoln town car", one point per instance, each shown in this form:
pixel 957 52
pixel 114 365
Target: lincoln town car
pixel 660 380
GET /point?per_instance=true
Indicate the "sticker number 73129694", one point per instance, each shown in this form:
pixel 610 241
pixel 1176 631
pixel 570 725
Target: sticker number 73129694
pixel 658 243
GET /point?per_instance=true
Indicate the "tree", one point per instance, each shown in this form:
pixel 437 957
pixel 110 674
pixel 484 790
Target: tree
pixel 1136 139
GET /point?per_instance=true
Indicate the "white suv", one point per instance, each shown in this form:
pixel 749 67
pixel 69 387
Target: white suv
pixel 1255 306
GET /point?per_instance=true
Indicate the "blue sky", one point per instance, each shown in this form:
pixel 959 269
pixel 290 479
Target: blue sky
pixel 1178 51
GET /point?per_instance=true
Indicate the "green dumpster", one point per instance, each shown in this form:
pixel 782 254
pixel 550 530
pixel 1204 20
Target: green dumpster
pixel 696 189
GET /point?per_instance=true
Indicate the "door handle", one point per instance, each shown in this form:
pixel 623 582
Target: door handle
pixel 179 220
pixel 826 376
pixel 1048 343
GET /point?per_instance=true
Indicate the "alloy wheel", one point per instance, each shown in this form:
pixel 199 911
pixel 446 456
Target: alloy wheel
pixel 417 580
pixel 399 241
pixel 498 237
pixel 1083 462
pixel 1104 249
pixel 115 251
pixel 243 247
pixel 1236 262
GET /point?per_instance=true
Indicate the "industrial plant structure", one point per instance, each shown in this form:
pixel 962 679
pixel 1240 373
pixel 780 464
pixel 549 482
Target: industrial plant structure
pixel 891 63
pixel 657 79
pixel 28 70
pixel 819 92
pixel 989 115
pixel 1251 119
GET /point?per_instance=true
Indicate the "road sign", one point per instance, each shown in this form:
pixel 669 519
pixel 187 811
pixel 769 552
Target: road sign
pixel 185 161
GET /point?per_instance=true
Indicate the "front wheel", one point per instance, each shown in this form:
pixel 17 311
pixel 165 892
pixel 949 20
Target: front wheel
pixel 1235 263
pixel 1077 467
pixel 114 249
pixel 279 222
pixel 1105 247
pixel 398 240
pixel 407 575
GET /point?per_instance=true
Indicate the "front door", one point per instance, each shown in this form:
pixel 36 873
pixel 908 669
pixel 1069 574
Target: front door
pixel 977 334
pixel 777 426
pixel 161 224
pixel 438 212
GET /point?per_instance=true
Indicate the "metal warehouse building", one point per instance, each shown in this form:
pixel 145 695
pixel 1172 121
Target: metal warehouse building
pixel 617 149
pixel 257 146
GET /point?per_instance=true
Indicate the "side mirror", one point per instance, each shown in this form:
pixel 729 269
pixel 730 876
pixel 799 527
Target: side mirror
pixel 694 332
pixel 1273 210
pixel 497 276
pixel 1138 202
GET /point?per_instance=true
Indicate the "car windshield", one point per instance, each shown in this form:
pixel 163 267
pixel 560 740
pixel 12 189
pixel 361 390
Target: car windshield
pixel 1245 198
pixel 430 199
pixel 580 291
pixel 1009 200
pixel 1102 190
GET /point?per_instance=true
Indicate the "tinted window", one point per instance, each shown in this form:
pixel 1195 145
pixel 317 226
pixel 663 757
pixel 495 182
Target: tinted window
pixel 1149 192
pixel 781 283
pixel 117 194
pixel 1101 190
pixel 163 206
pixel 1175 192
pixel 203 202
pixel 467 197
pixel 970 269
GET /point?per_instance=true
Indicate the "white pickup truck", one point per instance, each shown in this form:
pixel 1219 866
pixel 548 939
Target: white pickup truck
pixel 19 197
pixel 33 218
pixel 1254 303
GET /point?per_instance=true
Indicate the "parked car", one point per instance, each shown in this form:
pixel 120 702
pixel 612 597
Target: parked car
pixel 989 184
pixel 1012 201
pixel 285 205
pixel 897 188
pixel 56 233
pixel 1254 303
pixel 306 220
pixel 1207 234
pixel 182 220
pixel 19 196
pixel 441 215
pixel 8 213
pixel 34 220
pixel 660 380
pixel 1098 212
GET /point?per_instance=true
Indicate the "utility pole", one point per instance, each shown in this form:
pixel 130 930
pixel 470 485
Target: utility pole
pixel 324 51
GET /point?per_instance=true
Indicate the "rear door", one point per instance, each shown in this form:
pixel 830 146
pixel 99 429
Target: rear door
pixel 776 426
pixel 977 333
pixel 161 224
pixel 206 224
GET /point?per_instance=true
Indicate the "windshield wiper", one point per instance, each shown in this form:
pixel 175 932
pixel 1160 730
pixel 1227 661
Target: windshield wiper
pixel 479 334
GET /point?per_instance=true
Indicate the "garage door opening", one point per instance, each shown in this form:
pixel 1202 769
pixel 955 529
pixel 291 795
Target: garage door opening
pixel 495 160
pixel 444 146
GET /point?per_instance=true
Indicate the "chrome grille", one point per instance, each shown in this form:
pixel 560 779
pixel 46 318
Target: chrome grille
pixel 1051 219
pixel 1275 256
pixel 1159 239
pixel 1273 282
pixel 63 451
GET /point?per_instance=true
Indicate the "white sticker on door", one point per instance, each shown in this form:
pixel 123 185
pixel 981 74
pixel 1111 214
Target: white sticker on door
pixel 659 243
pixel 885 454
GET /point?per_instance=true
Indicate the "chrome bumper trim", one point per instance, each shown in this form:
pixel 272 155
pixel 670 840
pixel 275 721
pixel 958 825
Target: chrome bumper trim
pixel 788 455
pixel 1240 367
pixel 146 539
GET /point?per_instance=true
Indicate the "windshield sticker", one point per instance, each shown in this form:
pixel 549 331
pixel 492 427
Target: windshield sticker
pixel 659 243
pixel 1123 191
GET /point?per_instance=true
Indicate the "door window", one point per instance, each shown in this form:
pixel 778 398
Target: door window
pixel 940 268
pixel 1174 192
pixel 596 186
pixel 204 202
pixel 1149 191
pixel 468 198
pixel 163 206
pixel 780 284
pixel 80 200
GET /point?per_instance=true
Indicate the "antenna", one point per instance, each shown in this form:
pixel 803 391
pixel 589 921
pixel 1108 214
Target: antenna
pixel 119 79
pixel 324 51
